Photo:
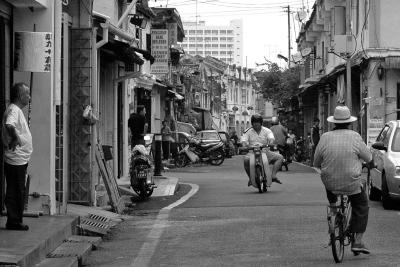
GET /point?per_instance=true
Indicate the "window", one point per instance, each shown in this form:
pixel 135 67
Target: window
pixel 222 45
pixel 200 39
pixel 229 39
pixel 230 32
pixel 207 32
pixel 208 53
pixel 192 39
pixel 186 32
pixel 207 45
pixel 192 32
pixel 222 31
pixel 199 31
pixel 223 52
pixel 382 134
pixel 214 32
pixel 199 45
pixel 214 52
pixel 192 45
pixel 229 45
pixel 207 39
pixel 215 45
pixel 215 39
pixel 222 39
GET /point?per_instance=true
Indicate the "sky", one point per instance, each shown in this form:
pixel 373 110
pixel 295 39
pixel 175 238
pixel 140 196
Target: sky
pixel 265 23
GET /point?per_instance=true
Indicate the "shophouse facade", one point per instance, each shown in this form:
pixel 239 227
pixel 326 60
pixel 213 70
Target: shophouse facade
pixel 241 88
pixel 97 58
pixel 351 56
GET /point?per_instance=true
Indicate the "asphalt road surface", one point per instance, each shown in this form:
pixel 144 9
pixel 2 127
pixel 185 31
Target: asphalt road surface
pixel 219 221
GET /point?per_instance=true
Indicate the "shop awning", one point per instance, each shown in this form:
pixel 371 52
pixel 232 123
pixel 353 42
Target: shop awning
pixel 146 54
pixel 176 95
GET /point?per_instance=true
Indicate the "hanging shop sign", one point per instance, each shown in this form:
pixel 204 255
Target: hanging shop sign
pixel 172 33
pixel 160 51
pixel 33 51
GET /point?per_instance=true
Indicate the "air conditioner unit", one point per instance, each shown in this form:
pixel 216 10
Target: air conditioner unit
pixel 342 44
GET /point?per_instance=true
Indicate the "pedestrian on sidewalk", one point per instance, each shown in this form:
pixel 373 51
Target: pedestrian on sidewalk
pixel 166 139
pixel 138 126
pixel 17 142
pixel 315 135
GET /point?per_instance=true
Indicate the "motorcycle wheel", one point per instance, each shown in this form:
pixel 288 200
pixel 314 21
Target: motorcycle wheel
pixel 216 158
pixel 142 190
pixel 258 176
pixel 181 161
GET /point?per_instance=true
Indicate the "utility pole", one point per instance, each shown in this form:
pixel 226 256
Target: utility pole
pixel 289 47
pixel 348 57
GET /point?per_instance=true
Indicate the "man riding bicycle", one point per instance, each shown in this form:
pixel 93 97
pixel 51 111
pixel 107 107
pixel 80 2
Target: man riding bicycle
pixel 338 155
pixel 259 135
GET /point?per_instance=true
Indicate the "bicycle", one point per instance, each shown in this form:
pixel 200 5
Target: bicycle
pixel 339 217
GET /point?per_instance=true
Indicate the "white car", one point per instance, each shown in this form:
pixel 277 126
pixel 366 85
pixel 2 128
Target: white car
pixel 384 180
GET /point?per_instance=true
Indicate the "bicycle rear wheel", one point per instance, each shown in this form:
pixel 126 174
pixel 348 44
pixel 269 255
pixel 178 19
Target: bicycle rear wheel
pixel 337 239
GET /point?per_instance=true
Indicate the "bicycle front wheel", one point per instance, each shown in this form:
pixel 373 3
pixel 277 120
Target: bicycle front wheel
pixel 337 239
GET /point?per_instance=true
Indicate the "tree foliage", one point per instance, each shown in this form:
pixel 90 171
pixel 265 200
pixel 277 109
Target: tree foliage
pixel 277 85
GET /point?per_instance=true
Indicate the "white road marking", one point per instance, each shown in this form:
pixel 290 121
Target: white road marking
pixel 149 247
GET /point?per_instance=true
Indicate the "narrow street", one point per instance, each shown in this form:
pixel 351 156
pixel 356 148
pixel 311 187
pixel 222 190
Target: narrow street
pixel 226 223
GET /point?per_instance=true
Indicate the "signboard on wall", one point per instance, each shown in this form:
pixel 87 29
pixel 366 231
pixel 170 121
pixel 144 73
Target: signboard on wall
pixel 33 51
pixel 160 51
pixel 172 33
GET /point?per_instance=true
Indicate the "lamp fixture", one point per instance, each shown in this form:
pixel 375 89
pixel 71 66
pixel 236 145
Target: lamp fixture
pixel 381 72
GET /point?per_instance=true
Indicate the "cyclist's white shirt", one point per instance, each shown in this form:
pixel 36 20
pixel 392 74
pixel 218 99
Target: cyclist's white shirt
pixel 251 137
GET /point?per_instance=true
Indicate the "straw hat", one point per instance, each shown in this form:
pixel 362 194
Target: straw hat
pixel 341 115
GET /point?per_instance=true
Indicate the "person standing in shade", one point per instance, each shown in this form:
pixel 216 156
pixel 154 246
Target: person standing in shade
pixel 138 126
pixel 166 138
pixel 17 141
pixel 314 138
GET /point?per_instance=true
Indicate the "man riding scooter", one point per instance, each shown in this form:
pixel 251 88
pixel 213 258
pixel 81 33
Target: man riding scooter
pixel 257 135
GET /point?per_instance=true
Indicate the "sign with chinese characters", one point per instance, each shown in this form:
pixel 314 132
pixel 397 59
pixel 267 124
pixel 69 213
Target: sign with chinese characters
pixel 160 51
pixel 172 33
pixel 33 51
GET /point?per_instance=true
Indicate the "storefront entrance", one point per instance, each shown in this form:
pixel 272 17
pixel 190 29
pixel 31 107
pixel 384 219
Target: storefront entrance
pixel 5 52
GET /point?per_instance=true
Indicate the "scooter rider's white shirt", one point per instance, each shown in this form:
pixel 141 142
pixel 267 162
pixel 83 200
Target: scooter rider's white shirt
pixel 251 137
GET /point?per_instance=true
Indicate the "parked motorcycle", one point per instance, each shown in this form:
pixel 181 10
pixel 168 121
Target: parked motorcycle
pixel 140 171
pixel 299 151
pixel 196 151
pixel 257 168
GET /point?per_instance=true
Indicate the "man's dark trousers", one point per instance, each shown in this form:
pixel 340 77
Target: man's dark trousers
pixel 15 192
pixel 359 210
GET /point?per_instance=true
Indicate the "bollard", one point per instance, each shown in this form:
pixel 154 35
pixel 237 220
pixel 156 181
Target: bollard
pixel 157 156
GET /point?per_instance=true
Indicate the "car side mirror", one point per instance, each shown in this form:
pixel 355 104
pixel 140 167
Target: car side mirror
pixel 379 146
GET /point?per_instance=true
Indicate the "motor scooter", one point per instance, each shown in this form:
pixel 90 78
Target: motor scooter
pixel 140 171
pixel 195 151
pixel 257 168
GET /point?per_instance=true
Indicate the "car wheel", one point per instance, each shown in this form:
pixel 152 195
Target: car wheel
pixel 386 201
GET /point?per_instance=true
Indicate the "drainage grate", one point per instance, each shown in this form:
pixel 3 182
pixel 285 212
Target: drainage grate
pixel 90 226
pixel 99 218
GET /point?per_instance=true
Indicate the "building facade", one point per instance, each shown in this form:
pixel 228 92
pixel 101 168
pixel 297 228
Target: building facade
pixel 222 42
pixel 351 56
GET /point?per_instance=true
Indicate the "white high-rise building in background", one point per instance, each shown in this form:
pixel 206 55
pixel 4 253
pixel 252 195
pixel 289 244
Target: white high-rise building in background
pixel 222 42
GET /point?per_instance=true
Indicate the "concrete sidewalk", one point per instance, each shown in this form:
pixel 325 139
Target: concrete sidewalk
pixel 46 233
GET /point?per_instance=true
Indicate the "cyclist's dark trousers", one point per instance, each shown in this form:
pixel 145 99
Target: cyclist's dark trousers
pixel 359 214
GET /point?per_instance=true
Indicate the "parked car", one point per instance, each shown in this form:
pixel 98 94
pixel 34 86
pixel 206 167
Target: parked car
pixel 228 144
pixel 384 181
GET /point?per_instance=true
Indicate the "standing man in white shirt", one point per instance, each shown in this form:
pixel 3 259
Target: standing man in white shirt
pixel 259 135
pixel 17 141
